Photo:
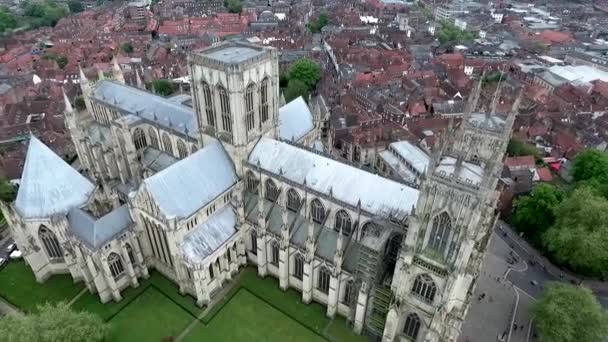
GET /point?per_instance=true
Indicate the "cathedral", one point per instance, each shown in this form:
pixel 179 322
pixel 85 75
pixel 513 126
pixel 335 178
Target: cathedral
pixel 198 186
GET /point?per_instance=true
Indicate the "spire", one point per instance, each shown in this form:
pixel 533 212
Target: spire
pixel 66 101
pixel 100 75
pixel 513 113
pixel 282 101
pixel 473 98
pixel 117 72
pixel 83 77
pixel 84 82
pixel 138 79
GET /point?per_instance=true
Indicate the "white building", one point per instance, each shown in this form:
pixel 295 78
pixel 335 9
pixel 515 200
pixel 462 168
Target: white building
pixel 198 193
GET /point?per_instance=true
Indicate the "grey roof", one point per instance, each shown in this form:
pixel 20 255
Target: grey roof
pixel 378 195
pixel 191 183
pixel 156 160
pixel 49 186
pixel 99 134
pixel 295 120
pixel 204 239
pixel 96 232
pixel 327 243
pixel 234 54
pixel 469 173
pixel 146 105
pixel 413 155
pixel 492 122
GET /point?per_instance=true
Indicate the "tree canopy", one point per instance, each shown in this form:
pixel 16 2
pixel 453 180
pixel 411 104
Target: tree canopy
pixel 62 61
pixel 580 234
pixel 315 26
pixel 8 20
pixel 233 6
pixel 295 88
pixel 127 47
pixel 535 213
pixel 451 34
pixel 54 322
pixel 44 13
pixel 79 103
pixel 163 87
pixel 8 192
pixel 590 164
pixel 569 314
pixel 75 6
pixel 517 147
pixel 306 71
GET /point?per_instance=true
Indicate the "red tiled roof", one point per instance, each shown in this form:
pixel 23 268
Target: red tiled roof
pixel 544 174
pixel 520 162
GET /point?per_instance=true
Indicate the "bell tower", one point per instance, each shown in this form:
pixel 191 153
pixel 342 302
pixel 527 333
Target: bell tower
pixel 441 255
pixel 235 91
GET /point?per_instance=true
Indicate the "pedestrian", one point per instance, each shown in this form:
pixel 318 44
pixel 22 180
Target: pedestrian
pixel 514 327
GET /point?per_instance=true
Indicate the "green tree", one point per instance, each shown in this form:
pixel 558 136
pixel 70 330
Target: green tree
pixel 517 147
pixel 306 71
pixel 54 322
pixel 535 213
pixel 569 314
pixel 233 6
pixel 7 20
pixel 296 88
pixel 8 192
pixel 43 13
pixel 580 234
pixel 315 26
pixel 163 87
pixel 451 34
pixel 127 47
pixel 79 103
pixel 75 6
pixel 590 164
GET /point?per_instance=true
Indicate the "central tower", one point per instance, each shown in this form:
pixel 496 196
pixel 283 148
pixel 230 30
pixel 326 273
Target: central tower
pixel 235 91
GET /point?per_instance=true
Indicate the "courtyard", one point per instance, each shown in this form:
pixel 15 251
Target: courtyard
pixel 252 309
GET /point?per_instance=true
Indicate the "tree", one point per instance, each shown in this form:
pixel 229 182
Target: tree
pixel 61 61
pixel 127 47
pixel 79 103
pixel 517 147
pixel 569 314
pixel 315 26
pixel 43 13
pixel 451 34
pixel 163 87
pixel 75 6
pixel 535 213
pixel 7 20
pixel 233 6
pixel 590 164
pixel 54 322
pixel 306 71
pixel 295 88
pixel 8 192
pixel 580 234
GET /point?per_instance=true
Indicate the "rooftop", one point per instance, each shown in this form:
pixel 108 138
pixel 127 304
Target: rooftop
pixel 295 120
pixel 96 232
pixel 204 239
pixel 233 52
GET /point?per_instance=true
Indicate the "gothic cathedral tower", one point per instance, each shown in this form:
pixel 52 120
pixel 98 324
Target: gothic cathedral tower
pixel 447 236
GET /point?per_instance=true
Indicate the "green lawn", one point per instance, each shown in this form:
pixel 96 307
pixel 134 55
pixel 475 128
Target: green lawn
pixel 247 318
pixel 149 317
pixel 18 286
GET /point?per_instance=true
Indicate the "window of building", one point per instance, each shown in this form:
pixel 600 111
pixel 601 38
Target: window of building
pixel 323 283
pixel 412 326
pixel 317 211
pixel 343 222
pixel 264 100
pixel 153 138
pixel 254 242
pixel 424 288
pixel 182 151
pixel 229 255
pixel 115 264
pixel 167 145
pixel 249 112
pixel 130 253
pixel 298 270
pixel 349 290
pixel 50 242
pixel 225 108
pixel 139 138
pixel 293 200
pixel 440 233
pixel 209 112
pixel 252 182
pixel 275 254
pixel 272 192
pixel 211 275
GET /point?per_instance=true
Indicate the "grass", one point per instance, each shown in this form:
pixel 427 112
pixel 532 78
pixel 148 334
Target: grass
pixel 19 287
pixel 149 317
pixel 247 318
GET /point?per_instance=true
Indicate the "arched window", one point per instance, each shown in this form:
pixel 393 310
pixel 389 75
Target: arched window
pixel 153 138
pixel 412 326
pixel 167 145
pixel 211 275
pixel 115 264
pixel 370 228
pixel 343 222
pixel 264 100
pixel 229 255
pixel 275 253
pixel 323 283
pixel 50 242
pixel 139 138
pixel 349 290
pixel 254 242
pixel 208 104
pixel 250 113
pixel 217 265
pixel 317 211
pixel 424 288
pixel 440 233
pixel 298 270
pixel 225 108
pixel 272 192
pixel 252 182
pixel 293 200
pixel 182 151
pixel 130 253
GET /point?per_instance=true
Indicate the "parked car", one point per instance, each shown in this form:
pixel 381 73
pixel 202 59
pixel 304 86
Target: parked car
pixel 2 262
pixel 16 254
pixel 11 247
